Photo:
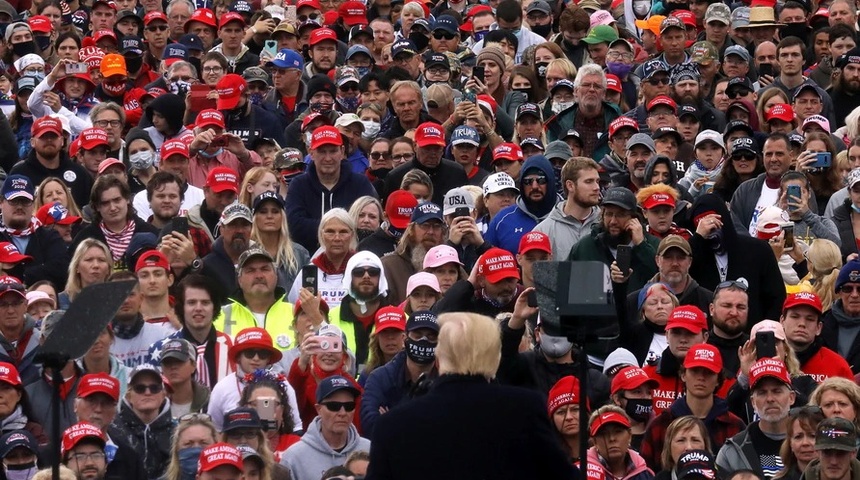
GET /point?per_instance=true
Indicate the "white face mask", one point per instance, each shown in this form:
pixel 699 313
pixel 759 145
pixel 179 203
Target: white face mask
pixel 641 7
pixel 308 137
pixel 371 129
pixel 557 107
pixel 142 160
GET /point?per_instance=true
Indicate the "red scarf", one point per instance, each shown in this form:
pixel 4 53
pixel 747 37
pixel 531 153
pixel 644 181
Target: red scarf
pixel 118 242
pixel 24 232
pixel 328 268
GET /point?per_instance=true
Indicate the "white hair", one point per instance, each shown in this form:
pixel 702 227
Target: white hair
pixel 187 3
pixel 342 216
pixel 589 69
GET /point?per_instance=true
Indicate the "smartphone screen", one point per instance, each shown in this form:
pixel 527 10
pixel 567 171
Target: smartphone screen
pixel 624 257
pixel 765 69
pixel 765 345
pixel 478 73
pixel 180 224
pixel 271 47
pixel 309 278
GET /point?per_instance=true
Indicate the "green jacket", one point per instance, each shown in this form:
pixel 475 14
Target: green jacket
pixel 558 125
pixel 643 264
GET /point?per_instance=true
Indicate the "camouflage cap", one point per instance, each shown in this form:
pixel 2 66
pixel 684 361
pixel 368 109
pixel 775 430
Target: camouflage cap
pixel 704 52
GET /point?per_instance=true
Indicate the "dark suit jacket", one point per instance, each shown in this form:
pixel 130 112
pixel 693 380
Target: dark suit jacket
pixel 467 428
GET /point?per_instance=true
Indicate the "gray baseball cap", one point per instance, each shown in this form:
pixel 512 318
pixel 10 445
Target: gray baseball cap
pixel 641 139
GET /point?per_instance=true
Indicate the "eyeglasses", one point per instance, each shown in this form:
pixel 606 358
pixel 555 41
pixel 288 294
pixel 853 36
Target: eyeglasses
pixel 658 81
pixel 84 457
pixel 256 352
pixel 740 284
pixel 850 289
pixel 541 180
pixel 141 389
pixel 746 157
pixel 378 155
pixel 107 123
pixel 591 86
pixel 15 304
pixel 336 406
pixel 217 69
pixel 360 272
pixel 613 55
pixel 808 409
pixel 156 28
pixel 195 416
pixel 443 35
pixel 404 156
pixel 661 114
pixel 305 18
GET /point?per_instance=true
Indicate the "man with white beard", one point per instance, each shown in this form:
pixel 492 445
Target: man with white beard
pixel 757 447
pixel 426 230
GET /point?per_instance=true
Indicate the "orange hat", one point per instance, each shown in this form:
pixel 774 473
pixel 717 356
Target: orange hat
pixel 113 64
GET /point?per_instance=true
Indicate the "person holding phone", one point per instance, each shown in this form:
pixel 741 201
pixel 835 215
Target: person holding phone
pixel 68 94
pixel 214 147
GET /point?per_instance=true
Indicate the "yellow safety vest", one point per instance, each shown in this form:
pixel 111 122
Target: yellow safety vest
pixel 347 328
pixel 235 317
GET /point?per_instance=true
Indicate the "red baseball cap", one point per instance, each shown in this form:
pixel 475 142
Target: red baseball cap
pixel 314 116
pixel 705 356
pixel 535 241
pixel 688 317
pixel 254 337
pixel 217 455
pixel 100 34
pixel 326 135
pixel 497 264
pixel 154 16
pixel 55 213
pixel 93 383
pixel 324 308
pixel 630 378
pixel 686 16
pixel 353 13
pixel 430 133
pixel 230 89
pixel 41 24
pixel 780 111
pixel 607 418
pixel 315 4
pixel 622 122
pixel 152 258
pixel 221 179
pixel 564 392
pixel 613 82
pixel 808 299
pixel 109 162
pixel 322 35
pixel 390 318
pixel 46 125
pixel 399 208
pixel 232 17
pixel 769 367
pixel 204 16
pixel 209 118
pixel 93 137
pixel 508 151
pixel 657 199
pixel 9 374
pixel 662 100
pixel 81 431
pixel 9 253
pixel 174 147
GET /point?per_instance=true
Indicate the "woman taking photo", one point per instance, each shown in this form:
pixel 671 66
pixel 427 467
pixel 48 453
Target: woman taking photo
pixel 563 407
pixel 684 433
pixel 242 426
pixel 267 386
pixel 270 231
pixel 91 264
pixel 70 95
pixel 798 448
pixel 493 60
pixel 610 430
pixel 823 181
pixel 193 433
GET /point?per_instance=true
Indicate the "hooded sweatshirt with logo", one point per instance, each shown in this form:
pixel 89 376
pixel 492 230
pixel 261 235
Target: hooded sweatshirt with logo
pixel 312 456
pixel 510 224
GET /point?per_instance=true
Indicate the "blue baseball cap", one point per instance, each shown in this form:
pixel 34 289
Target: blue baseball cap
pixel 19 185
pixel 240 6
pixel 175 52
pixel 287 58
pixel 355 49
pixel 447 23
pixel 425 212
pixel 465 134
pixel 242 417
pixel 652 67
pixel 423 319
pixel 332 384
pixel 403 46
pixel 18 438
pixel 131 44
pixel 192 42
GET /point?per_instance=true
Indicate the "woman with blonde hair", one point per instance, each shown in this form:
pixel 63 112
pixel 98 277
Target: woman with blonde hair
pixel 838 397
pixel 684 433
pixel 193 433
pixel 824 260
pixel 366 212
pixel 270 231
pixel 257 180
pixel 411 11
pixel 851 129
pixel 767 99
pixel 91 264
pixel 419 184
pixel 646 335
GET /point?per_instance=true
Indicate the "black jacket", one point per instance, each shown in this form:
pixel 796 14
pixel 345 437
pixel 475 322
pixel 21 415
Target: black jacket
pixel 522 445
pixel 360 332
pixel 150 441
pixel 379 243
pixel 93 230
pixel 462 297
pixel 74 175
pixel 218 266
pixel 842 219
pixel 446 176
pixel 50 258
pixel 830 335
pixel 126 463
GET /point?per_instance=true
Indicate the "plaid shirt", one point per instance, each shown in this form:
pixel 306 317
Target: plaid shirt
pixel 721 425
pixel 202 243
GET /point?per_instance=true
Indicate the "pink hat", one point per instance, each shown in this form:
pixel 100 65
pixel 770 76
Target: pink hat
pixel 768 326
pixel 601 17
pixel 422 279
pixel 440 255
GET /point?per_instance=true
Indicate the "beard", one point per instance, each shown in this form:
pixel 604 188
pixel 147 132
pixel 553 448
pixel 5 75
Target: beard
pixel 734 328
pixel 239 243
pixel 17 224
pixel 622 238
pixel 417 255
pixel 851 86
pixel 365 297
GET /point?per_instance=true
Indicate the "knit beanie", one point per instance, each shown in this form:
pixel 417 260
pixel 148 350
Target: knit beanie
pixel 494 54
pixel 321 83
pixel 139 134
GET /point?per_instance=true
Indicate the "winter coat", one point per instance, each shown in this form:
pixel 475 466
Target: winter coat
pixel 151 441
pixel 218 266
pixel 524 445
pixel 398 268
pixel 636 468
pixel 511 223
pixel 670 387
pixel 312 455
pixel 564 230
pixel 842 219
pixel 27 368
pixel 50 258
pixel 244 60
pixel 307 201
pixel 40 395
pixel 593 247
pixel 744 204
pixel 379 243
pixel 739 402
pixel 172 108
pixel 813 470
pixel 9 156
pixel 696 171
pixel 446 176
pixel 557 126
pixel 836 325
pixel 253 123
pixel 94 231
pixel 273 104
pixel 126 464
pixel 739 453
pixel 74 175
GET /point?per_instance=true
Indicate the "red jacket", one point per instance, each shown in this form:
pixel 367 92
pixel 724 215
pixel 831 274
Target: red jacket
pixel 305 384
pixel 826 363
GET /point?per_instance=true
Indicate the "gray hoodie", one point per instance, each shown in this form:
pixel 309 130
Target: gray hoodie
pixel 309 458
pixel 564 230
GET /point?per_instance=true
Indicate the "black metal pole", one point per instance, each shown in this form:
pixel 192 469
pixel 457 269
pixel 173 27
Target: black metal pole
pixel 57 377
pixel 583 407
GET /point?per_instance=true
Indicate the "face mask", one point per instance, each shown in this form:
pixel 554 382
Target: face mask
pixel 180 88
pixel 478 36
pixel 43 43
pixel 321 107
pixel 855 208
pixel 133 64
pixel 542 30
pixel 641 8
pixel 214 154
pixel 114 89
pixel 619 69
pixel 422 352
pixel 348 104
pixel 638 409
pixel 256 98
pixel 20 472
pixel 188 459
pixel 795 29
pixel 541 69
pixel 371 129
pixel 554 347
pixel 142 160
pixel 23 48
pixel 558 107
pixel 516 31
pixel 362 71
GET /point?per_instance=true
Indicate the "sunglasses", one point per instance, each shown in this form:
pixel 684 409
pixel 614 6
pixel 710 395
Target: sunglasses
pixel 156 28
pixel 443 35
pixel 378 155
pixel 737 93
pixel 141 389
pixel 360 272
pixel 531 180
pixel 349 87
pixel 739 284
pixel 305 18
pixel 849 288
pixel 256 352
pixel 336 406
pixel 658 81
pixel 747 157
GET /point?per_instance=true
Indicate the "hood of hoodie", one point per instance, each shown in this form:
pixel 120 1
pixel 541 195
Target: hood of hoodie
pixel 364 258
pixel 661 159
pixel 313 437
pixel 171 107
pixel 754 121
pixel 713 203
pixel 542 208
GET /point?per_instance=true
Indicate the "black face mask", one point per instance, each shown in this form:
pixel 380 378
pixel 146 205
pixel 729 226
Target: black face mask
pixel 420 40
pixel 543 30
pixel 422 352
pixel 541 69
pixel 133 63
pixel 795 29
pixel 43 42
pixel 23 48
pixel 639 409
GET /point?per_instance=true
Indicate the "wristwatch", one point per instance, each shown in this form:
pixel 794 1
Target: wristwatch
pixel 196 265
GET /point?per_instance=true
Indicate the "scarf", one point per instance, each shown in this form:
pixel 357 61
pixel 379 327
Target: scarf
pixel 126 332
pixel 118 242
pixel 328 268
pixel 15 421
pixel 24 232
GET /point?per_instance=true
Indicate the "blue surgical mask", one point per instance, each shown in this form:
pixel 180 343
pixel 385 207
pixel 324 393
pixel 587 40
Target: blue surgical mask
pixel 478 36
pixel 188 459
pixel 205 154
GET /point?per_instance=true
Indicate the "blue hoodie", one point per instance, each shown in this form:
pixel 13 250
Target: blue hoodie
pixel 510 224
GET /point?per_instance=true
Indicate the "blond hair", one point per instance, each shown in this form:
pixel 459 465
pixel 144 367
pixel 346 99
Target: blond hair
pixel 679 425
pixel 825 261
pixel 469 344
pixel 253 176
pixel 845 387
pixel 71 206
pixel 173 471
pixel 74 284
pixel 646 192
